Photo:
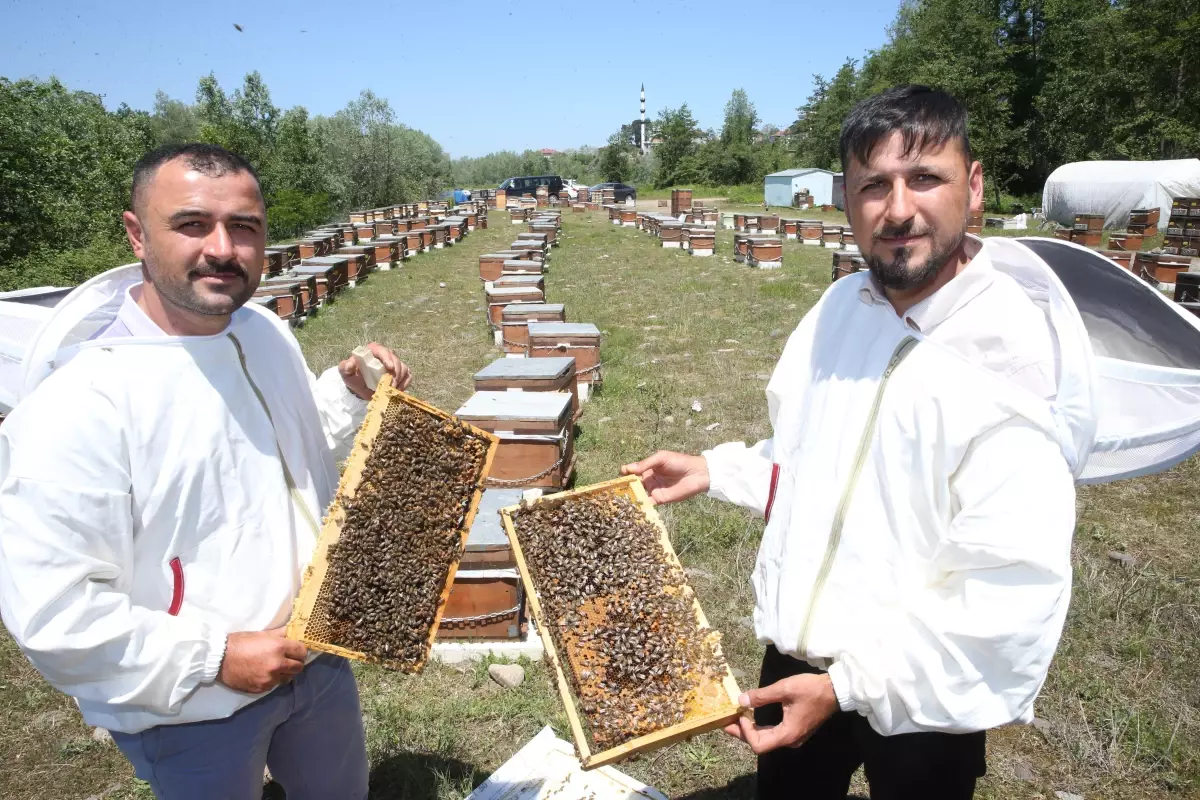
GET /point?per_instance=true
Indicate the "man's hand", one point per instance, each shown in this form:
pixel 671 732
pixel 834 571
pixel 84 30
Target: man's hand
pixel 258 661
pixel 670 477
pixel 355 382
pixel 808 700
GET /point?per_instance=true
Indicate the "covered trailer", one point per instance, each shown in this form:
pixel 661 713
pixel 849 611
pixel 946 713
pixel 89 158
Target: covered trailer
pixel 1114 188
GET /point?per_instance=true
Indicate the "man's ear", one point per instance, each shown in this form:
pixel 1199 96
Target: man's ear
pixel 975 183
pixel 133 230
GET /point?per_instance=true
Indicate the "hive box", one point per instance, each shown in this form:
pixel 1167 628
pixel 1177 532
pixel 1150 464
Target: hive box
pixel 528 281
pixel 765 253
pixel 500 296
pixel 535 430
pixel 515 319
pixel 487 599
pixel 1125 241
pixel 308 289
pixel 832 237
pixel 671 234
pixel 580 340
pixel 1089 222
pixel 551 374
pixel 289 253
pixel 812 233
pixel 289 298
pixel 1123 258
pixel 702 243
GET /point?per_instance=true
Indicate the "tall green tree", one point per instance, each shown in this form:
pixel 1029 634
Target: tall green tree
pixel 677 129
pixel 616 159
pixel 173 121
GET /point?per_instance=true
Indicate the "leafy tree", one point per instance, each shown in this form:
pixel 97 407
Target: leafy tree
pixel 676 153
pixel 615 159
pixel 174 122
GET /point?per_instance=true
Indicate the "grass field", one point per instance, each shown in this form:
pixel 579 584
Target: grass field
pixel 1119 711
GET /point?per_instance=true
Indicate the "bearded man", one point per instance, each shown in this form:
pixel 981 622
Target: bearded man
pixel 161 490
pixel 914 574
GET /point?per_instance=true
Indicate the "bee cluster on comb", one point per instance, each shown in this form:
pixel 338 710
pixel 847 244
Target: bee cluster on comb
pixel 620 614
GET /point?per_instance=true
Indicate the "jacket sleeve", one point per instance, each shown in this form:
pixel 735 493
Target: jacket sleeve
pixel 66 552
pixel 971 650
pixel 742 475
pixel 341 411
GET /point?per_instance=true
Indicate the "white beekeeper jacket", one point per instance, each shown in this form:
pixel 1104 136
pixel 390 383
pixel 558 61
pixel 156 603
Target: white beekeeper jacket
pixel 919 509
pixel 157 494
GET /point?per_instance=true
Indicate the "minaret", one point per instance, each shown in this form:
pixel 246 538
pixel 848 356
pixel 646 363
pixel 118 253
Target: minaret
pixel 643 142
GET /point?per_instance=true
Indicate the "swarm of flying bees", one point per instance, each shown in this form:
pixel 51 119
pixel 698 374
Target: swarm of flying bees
pixel 619 612
pixel 402 532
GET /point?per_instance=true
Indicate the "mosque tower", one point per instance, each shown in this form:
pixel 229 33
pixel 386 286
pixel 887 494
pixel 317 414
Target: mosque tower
pixel 643 136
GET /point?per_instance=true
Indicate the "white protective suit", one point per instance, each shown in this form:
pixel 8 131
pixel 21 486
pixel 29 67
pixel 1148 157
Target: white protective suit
pixel 157 494
pixel 919 513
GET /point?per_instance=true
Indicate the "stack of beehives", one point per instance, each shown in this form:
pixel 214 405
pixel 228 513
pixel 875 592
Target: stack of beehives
pixel 1183 228
pixel 301 276
pixel 693 234
pixel 530 399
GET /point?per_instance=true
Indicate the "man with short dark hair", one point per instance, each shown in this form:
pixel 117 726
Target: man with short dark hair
pixel 914 575
pixel 162 483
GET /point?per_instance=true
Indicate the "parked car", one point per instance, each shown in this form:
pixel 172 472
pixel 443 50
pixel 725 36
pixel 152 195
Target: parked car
pixel 621 191
pixel 528 184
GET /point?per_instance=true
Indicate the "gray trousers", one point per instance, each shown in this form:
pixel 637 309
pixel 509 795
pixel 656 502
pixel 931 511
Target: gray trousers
pixel 309 732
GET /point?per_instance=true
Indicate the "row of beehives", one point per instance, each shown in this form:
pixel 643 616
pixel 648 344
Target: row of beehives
pixel 1088 230
pixel 698 236
pixel 299 277
pixel 530 399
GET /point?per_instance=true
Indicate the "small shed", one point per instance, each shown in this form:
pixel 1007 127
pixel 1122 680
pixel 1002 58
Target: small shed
pixel 825 187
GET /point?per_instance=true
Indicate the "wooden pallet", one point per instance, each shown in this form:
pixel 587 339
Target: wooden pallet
pixel 712 705
pixel 308 623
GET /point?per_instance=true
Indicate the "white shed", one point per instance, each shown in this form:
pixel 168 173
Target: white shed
pixel 826 187
pixel 1114 188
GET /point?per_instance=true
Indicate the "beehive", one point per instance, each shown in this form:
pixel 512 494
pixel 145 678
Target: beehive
pixel 1089 222
pixel 580 340
pixel 526 280
pixel 500 296
pixel 515 319
pixel 552 374
pixel 1125 241
pixel 637 665
pixel 812 232
pixel 831 235
pixel 765 252
pixel 702 243
pixel 671 233
pixel 681 201
pixel 536 435
pixel 370 593
pixel 846 263
pixel 289 253
pixel 308 289
pixel 1122 258
pixel 289 298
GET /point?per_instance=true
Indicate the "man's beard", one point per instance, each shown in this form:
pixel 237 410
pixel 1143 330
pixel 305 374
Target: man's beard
pixel 897 274
pixel 182 293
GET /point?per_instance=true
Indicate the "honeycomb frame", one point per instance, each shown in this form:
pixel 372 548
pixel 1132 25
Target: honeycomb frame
pixel 309 623
pixel 720 705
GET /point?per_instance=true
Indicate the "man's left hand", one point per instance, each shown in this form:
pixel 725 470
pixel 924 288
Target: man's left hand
pixel 808 700
pixel 355 382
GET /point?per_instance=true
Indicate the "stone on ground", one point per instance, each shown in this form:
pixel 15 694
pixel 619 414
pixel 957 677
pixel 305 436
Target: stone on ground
pixel 509 676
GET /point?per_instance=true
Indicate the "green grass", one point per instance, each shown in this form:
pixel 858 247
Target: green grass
pixel 1122 697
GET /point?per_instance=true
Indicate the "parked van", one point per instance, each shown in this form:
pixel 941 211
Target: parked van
pixel 528 185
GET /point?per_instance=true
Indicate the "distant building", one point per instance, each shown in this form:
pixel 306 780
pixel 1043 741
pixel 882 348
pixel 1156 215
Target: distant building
pixel 548 151
pixel 826 188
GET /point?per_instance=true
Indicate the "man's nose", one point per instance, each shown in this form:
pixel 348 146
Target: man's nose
pixel 218 245
pixel 900 206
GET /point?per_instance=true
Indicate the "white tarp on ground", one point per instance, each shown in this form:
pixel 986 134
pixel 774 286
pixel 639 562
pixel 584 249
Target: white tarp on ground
pixel 547 767
pixel 1114 188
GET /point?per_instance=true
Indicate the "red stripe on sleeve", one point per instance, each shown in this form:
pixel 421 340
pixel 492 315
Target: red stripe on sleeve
pixel 177 591
pixel 774 486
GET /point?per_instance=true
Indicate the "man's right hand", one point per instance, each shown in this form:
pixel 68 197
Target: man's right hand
pixel 258 661
pixel 670 477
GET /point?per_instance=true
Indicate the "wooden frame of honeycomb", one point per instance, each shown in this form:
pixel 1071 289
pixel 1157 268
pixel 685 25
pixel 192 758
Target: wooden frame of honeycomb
pixel 711 705
pixel 311 622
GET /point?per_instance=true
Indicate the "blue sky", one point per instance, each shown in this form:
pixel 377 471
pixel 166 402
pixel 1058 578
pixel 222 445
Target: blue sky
pixel 525 75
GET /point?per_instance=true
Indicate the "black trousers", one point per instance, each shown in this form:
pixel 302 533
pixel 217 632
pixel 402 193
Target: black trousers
pixel 911 766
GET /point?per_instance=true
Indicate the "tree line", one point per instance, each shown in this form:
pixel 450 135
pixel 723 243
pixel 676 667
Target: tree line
pixel 66 164
pixel 1045 82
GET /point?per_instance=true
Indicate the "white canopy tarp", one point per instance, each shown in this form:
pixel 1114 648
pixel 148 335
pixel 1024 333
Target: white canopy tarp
pixel 1114 188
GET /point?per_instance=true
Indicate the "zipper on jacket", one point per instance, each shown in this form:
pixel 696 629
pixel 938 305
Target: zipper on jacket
pixel 839 518
pixel 287 473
